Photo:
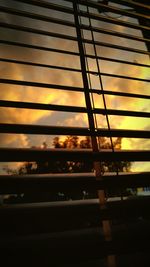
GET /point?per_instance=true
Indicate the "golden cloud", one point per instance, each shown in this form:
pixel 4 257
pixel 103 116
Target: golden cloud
pixel 44 95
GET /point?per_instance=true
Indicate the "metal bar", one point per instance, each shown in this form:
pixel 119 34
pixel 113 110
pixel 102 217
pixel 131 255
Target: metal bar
pixel 118 61
pixel 110 8
pixel 45 130
pixel 114 33
pixel 85 14
pixel 33 15
pixel 83 209
pixel 39 65
pixel 121 112
pixel 48 5
pixel 67 52
pixel 133 4
pixel 129 49
pixel 38 84
pixel 65 68
pixel 85 81
pixel 70 88
pixel 113 21
pixel 80 131
pixel 71 38
pixel 122 94
pixel 63 87
pixel 37 31
pixel 58 68
pixel 126 180
pixel 66 9
pixel 69 23
pixel 37 47
pixel 31 154
pixel 74 181
pixel 119 76
pixel 30 105
pixel 77 70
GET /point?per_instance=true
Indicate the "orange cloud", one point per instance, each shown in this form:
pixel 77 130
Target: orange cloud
pixel 43 95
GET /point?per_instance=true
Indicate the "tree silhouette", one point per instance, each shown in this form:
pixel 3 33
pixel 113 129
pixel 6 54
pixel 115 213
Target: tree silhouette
pixel 74 142
pixel 63 166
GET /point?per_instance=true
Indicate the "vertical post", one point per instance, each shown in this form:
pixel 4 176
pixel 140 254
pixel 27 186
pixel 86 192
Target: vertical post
pixel 111 259
pixel 84 77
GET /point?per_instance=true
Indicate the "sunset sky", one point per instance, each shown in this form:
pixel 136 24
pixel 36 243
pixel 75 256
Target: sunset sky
pixel 47 75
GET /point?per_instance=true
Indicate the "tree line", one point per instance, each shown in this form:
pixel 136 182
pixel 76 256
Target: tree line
pixel 63 166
